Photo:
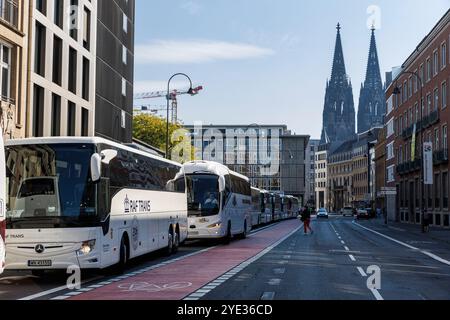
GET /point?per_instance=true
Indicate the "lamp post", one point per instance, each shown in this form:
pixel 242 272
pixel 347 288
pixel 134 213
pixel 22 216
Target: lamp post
pixel 168 97
pixel 397 92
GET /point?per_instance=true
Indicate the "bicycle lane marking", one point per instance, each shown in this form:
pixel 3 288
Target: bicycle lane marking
pixel 177 280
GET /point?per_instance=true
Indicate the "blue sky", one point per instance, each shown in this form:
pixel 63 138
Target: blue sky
pixel 267 61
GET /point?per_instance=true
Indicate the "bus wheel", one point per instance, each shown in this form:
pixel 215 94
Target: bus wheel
pixel 227 239
pixel 123 256
pixel 176 242
pixel 169 248
pixel 243 235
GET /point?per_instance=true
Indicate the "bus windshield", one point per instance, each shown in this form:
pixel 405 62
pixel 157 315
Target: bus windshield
pixel 203 195
pixel 50 186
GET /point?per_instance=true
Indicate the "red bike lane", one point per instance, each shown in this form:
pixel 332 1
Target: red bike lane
pixel 179 279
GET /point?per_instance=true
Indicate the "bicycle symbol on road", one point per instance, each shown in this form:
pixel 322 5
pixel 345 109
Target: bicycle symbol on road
pixel 150 287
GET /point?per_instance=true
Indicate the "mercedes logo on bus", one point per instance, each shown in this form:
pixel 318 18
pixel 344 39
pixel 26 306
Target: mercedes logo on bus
pixel 39 248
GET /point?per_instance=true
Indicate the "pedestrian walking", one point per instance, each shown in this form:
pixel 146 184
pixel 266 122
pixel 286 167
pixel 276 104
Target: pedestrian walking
pixel 306 219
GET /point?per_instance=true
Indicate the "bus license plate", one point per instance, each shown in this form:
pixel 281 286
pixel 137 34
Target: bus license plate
pixel 193 233
pixel 40 263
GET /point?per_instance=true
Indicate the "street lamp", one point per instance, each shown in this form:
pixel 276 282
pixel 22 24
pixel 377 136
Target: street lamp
pixel 397 92
pixel 168 97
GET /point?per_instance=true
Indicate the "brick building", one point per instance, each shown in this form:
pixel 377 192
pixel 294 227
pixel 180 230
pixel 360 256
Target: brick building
pixel 425 109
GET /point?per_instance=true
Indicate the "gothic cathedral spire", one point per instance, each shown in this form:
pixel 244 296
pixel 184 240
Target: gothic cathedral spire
pixel 339 111
pixel 371 101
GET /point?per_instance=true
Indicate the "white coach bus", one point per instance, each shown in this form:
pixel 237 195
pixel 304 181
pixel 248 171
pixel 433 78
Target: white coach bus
pixel 219 201
pixel 89 202
pixel 2 202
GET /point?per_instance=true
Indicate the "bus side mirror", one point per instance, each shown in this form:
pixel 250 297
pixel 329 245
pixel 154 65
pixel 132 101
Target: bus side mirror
pixel 96 167
pixel 108 155
pixel 222 184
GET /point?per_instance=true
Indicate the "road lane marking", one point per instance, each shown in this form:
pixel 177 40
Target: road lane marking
pixel 51 291
pixel 362 272
pixel 377 294
pixel 352 258
pixel 268 296
pixel 347 248
pixel 245 264
pixel 427 253
pixel 279 270
pixel 274 282
pixel 343 242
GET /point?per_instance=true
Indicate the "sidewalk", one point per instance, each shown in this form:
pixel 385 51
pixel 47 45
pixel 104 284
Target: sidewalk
pixel 435 233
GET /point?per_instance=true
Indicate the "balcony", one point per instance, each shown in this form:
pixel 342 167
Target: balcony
pixel 440 157
pixel 9 13
pixel 409 167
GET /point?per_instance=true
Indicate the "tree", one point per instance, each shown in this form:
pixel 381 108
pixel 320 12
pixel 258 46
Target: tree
pixel 152 130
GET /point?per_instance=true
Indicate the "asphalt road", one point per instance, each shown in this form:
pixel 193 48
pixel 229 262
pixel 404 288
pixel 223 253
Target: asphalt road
pixel 332 264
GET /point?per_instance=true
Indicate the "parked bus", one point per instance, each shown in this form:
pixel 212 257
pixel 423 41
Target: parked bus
pixel 2 202
pixel 89 202
pixel 267 207
pixel 219 201
pixel 277 207
pixel 257 207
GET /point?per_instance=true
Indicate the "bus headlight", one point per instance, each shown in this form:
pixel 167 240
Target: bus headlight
pixel 86 248
pixel 214 226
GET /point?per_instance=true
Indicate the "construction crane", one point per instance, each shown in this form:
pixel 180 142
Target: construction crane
pixel 173 97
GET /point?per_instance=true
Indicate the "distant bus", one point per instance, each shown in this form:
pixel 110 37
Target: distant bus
pixel 292 206
pixel 277 207
pixel 219 201
pixel 2 202
pixel 89 202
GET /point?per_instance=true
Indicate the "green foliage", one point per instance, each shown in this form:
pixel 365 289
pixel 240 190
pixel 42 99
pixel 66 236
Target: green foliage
pixel 152 130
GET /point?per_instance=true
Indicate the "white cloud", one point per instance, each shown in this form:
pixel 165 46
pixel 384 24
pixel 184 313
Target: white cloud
pixel 196 51
pixel 192 7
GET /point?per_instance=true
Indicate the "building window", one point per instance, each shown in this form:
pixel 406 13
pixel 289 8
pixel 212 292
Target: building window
pixel 38 111
pixel 436 139
pixel 72 85
pixel 429 103
pixel 85 85
pixel 416 81
pixel 74 23
pixel 428 69
pixel 421 74
pixel 124 87
pixel 5 71
pixel 445 137
pixel 445 190
pixel 444 94
pixel 405 91
pixel 58 12
pixel 124 55
pixel 410 87
pixel 86 28
pixel 443 55
pixel 84 122
pixel 71 115
pixel 56 115
pixel 57 60
pixel 436 99
pixel 39 54
pixel 125 23
pixel 435 63
pixel 41 6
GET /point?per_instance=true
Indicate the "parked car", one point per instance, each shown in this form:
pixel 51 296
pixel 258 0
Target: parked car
pixel 322 213
pixel 363 214
pixel 347 211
